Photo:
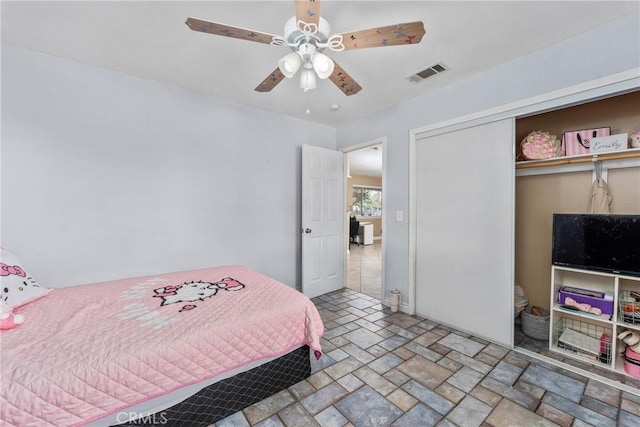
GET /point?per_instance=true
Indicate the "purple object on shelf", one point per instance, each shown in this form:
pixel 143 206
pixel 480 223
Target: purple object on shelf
pixel 605 303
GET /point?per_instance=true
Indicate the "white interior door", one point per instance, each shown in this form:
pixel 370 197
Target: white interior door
pixel 465 229
pixel 323 217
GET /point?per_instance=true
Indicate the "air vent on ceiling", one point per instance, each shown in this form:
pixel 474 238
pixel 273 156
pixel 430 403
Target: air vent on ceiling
pixel 426 73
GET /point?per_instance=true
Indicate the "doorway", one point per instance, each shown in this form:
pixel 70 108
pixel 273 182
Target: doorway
pixel 365 210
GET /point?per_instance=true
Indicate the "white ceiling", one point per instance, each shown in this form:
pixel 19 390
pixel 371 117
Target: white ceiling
pixel 149 39
pixel 367 161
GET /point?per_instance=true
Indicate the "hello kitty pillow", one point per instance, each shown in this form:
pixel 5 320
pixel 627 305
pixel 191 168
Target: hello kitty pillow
pixel 17 287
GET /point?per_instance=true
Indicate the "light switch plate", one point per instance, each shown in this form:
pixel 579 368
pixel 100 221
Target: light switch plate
pixel 399 216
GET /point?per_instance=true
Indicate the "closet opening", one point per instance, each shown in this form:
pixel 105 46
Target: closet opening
pixel 543 322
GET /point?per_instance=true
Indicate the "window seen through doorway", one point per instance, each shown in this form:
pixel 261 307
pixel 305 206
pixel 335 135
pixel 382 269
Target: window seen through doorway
pixel 367 201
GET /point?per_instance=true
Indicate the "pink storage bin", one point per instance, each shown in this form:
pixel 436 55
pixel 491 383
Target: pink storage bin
pixel 576 142
pixel 631 362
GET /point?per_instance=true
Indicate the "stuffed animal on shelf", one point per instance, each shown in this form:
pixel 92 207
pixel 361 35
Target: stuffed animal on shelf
pixel 635 138
pixel 10 320
pixel 632 339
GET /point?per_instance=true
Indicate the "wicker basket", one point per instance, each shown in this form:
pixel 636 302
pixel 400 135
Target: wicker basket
pixel 536 326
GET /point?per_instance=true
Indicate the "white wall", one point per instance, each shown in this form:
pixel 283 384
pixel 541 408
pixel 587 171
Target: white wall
pixel 607 50
pixel 105 176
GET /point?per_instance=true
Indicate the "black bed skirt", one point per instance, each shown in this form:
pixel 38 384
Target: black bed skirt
pixel 221 399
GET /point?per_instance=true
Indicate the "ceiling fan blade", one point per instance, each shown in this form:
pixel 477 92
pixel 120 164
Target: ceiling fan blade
pixel 392 35
pixel 308 11
pixel 345 83
pixel 228 31
pixel 271 81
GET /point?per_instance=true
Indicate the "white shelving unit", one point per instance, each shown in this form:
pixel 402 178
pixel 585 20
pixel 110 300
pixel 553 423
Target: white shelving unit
pixel 579 335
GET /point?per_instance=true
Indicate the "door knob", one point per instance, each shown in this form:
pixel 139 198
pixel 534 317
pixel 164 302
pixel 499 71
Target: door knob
pixel 307 230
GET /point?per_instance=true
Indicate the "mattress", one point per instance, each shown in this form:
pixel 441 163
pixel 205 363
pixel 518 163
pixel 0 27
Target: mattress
pixel 86 352
pixel 219 399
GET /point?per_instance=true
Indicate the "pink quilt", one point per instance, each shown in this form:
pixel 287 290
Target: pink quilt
pixel 88 351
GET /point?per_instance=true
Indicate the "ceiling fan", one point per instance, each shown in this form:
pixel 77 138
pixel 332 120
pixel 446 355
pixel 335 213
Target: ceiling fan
pixel 308 34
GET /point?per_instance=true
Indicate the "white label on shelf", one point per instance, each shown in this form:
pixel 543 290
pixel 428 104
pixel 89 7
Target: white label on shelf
pixel 605 144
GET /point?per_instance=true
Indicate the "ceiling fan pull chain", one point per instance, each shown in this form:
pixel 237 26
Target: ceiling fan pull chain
pixel 307 110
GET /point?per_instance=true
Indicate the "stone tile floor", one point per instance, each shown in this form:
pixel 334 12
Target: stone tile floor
pixel 391 369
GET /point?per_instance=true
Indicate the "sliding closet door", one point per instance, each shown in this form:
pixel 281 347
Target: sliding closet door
pixel 464 239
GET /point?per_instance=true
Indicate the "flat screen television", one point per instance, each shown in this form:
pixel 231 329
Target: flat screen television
pixel 609 243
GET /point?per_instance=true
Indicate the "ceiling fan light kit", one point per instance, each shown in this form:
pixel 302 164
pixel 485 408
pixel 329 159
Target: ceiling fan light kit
pixel 323 65
pixel 308 35
pixel 306 54
pixel 308 79
pixel 289 64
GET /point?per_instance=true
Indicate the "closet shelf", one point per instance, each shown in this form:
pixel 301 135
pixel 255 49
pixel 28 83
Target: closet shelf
pixel 557 161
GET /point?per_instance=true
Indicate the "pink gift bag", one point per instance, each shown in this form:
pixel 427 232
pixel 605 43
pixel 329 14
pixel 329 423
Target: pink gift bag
pixel 577 142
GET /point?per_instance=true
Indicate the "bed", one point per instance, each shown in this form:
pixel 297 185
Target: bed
pixel 185 348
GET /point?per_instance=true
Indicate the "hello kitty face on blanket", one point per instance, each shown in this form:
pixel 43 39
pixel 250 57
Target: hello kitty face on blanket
pixel 194 291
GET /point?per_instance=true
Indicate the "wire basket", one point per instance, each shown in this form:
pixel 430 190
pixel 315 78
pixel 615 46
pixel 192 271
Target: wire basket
pixel 585 339
pixel 536 326
pixel 629 307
